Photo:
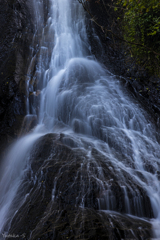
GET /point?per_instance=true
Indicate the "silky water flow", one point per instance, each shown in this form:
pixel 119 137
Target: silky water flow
pixel 81 100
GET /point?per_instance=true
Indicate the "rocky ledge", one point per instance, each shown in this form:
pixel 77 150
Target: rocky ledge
pixel 59 194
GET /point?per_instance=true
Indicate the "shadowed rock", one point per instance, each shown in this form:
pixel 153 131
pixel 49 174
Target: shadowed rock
pixel 60 195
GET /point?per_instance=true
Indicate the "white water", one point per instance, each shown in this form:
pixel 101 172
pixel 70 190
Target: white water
pixel 79 97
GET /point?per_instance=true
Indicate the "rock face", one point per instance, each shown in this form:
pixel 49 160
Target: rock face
pixel 16 35
pixel 111 51
pixel 16 27
pixel 59 198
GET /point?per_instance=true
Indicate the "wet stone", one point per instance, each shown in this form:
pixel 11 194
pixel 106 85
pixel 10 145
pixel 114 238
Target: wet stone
pixel 62 198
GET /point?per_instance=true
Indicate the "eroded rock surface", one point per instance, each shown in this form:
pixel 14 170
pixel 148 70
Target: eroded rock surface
pixel 112 52
pixel 60 195
pixel 16 29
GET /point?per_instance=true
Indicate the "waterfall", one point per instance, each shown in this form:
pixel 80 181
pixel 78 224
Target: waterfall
pixel 86 106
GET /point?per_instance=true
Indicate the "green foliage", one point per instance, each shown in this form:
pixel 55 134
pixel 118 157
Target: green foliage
pixel 141 24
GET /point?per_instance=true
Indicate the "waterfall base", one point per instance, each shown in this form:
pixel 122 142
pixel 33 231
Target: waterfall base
pixel 59 199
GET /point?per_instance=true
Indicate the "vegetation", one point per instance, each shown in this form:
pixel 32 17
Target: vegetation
pixel 140 25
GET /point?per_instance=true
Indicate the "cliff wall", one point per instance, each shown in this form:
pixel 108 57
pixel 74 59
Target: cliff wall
pixel 16 29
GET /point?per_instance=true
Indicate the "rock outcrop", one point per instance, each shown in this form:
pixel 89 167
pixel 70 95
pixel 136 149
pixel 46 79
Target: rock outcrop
pixel 59 197
pixel 16 29
pixel 113 53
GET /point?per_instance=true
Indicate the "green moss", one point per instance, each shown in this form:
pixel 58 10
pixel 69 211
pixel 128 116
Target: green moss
pixel 141 29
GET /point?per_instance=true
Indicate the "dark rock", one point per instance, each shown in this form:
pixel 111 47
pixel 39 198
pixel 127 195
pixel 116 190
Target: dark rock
pixel 15 18
pixel 29 122
pixel 58 197
pixel 112 53
pixel 62 197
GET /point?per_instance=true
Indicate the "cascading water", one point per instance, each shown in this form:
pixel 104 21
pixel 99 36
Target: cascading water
pixel 116 152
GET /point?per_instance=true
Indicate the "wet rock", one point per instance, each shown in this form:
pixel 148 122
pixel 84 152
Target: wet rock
pixel 113 54
pixel 29 122
pixel 62 190
pixel 15 40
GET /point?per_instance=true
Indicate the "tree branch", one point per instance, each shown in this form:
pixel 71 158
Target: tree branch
pixel 104 29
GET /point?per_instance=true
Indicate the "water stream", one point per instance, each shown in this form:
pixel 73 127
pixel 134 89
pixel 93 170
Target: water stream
pixel 79 99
